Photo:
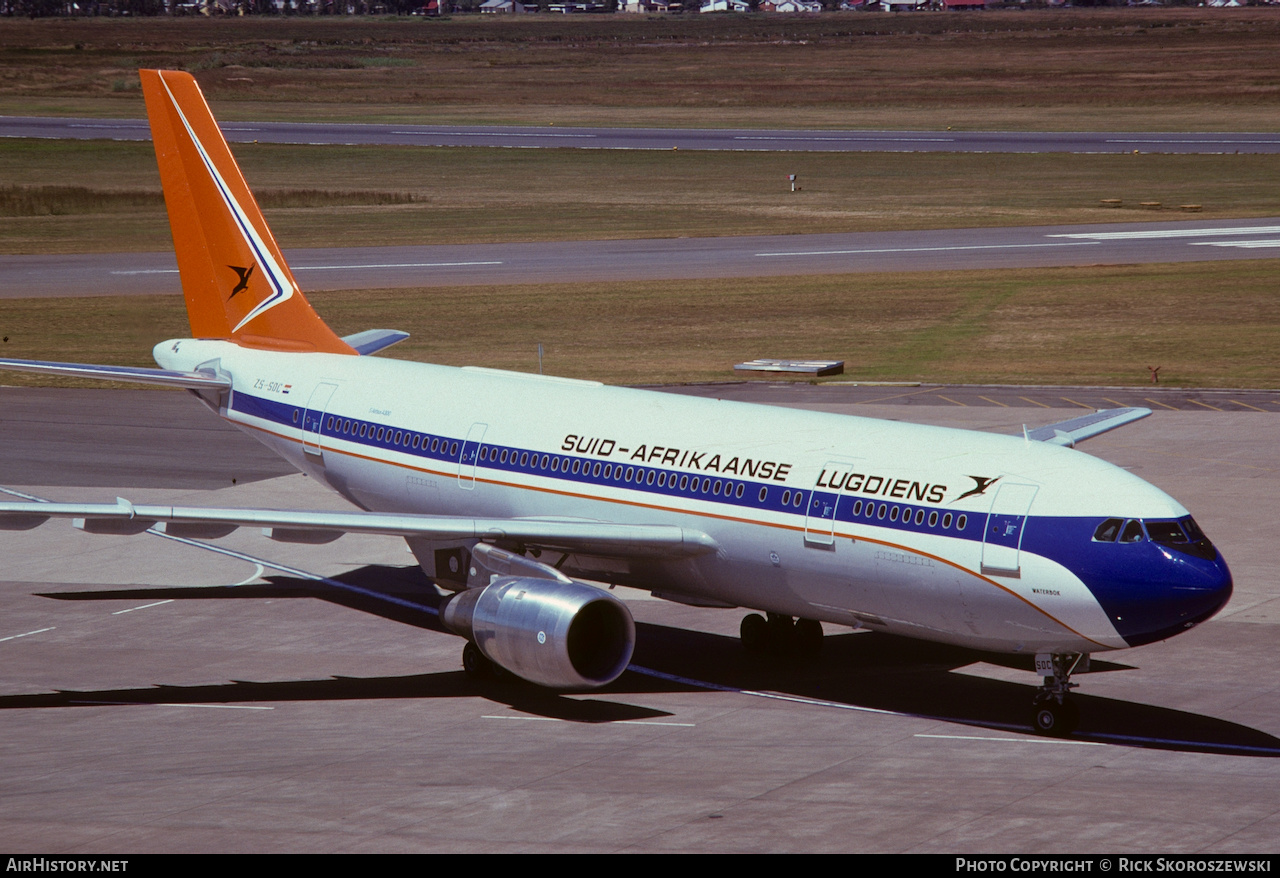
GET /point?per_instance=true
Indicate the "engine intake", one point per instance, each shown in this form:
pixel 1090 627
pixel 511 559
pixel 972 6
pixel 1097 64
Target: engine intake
pixel 563 635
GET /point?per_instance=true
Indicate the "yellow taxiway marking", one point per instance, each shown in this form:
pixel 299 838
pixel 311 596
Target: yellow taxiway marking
pixel 1073 402
pixel 1246 405
pixel 1033 402
pixel 1157 402
pixel 993 401
pixel 1205 404
pixel 952 401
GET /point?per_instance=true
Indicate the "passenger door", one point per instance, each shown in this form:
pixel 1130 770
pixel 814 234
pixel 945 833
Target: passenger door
pixel 1006 523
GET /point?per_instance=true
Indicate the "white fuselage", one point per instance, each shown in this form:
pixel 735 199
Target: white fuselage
pixel 921 531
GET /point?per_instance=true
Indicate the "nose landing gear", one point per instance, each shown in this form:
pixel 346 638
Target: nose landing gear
pixel 1053 710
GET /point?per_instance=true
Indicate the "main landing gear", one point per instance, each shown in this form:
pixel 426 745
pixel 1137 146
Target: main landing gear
pixel 1054 712
pixel 480 668
pixel 781 635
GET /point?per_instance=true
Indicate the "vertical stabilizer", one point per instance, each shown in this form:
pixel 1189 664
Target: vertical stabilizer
pixel 234 278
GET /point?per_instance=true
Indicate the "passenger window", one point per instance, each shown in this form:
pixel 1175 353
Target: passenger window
pixel 1132 532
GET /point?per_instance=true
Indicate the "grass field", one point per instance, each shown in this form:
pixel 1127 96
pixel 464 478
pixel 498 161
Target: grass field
pixel 1216 324
pixel 84 196
pixel 1212 324
pixel 1063 69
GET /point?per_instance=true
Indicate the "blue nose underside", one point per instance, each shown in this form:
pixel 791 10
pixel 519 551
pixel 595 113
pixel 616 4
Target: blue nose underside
pixel 1149 591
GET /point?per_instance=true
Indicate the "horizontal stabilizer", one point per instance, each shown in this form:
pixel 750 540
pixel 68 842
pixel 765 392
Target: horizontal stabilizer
pixel 133 374
pixel 1070 432
pixel 573 535
pixel 373 340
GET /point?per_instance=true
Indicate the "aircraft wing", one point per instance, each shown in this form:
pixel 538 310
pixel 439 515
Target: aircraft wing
pixel 134 374
pixel 1070 432
pixel 570 535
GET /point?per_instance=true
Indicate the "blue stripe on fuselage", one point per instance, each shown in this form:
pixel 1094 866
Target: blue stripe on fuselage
pixel 718 488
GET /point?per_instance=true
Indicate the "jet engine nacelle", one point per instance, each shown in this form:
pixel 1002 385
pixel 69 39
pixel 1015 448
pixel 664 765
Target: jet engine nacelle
pixel 563 635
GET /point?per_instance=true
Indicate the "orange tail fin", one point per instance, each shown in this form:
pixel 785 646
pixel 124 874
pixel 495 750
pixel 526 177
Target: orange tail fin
pixel 234 278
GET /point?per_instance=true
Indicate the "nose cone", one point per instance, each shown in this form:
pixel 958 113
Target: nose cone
pixel 1180 592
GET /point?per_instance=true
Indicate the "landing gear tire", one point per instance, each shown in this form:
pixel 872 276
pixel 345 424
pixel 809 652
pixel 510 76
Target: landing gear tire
pixel 782 632
pixel 754 633
pixel 808 638
pixel 1052 718
pixel 476 664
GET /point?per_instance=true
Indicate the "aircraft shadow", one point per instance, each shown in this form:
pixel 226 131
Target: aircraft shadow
pixel 856 670
pixel 881 672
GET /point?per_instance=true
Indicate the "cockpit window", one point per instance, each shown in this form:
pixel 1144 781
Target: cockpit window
pixel 1132 532
pixel 1184 535
pixel 1193 530
pixel 1166 532
pixel 1108 531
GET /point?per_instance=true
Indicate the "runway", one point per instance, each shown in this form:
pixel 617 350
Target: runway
pixel 774 140
pixel 163 696
pixel 672 258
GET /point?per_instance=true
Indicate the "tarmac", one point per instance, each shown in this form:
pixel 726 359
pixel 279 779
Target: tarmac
pixel 164 696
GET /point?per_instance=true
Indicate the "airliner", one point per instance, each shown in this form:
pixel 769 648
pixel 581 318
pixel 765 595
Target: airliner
pixel 519 494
